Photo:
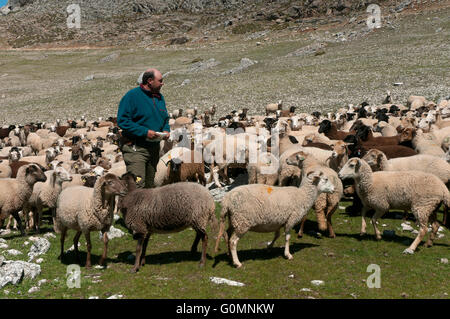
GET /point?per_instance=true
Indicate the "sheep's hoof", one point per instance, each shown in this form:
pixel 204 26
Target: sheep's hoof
pixel 201 265
pixel 362 234
pixel 238 265
pixel 378 237
pixel 428 245
pixel 289 257
pixel 134 270
pixel 299 235
pixel 408 251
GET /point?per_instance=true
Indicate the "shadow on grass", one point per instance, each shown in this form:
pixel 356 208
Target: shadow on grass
pixel 164 258
pixel 261 254
pixel 396 238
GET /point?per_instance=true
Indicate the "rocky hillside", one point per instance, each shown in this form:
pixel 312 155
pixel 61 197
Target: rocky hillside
pixel 32 23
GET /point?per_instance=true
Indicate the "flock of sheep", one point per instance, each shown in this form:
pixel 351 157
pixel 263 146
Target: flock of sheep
pixel 387 156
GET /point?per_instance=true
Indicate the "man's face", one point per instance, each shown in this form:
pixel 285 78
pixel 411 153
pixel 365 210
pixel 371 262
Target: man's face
pixel 156 84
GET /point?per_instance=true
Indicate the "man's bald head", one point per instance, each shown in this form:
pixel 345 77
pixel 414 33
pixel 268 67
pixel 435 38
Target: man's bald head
pixel 152 79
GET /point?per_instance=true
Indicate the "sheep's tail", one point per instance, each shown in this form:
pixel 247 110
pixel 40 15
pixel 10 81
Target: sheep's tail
pixel 223 216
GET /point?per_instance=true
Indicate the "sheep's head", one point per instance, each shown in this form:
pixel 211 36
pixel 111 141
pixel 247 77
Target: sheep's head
pixel 321 180
pixel 324 126
pixel 374 158
pixel 407 135
pixel 297 159
pixel 33 173
pixel 61 174
pixel 363 132
pixel 350 169
pixel 340 148
pixel 112 185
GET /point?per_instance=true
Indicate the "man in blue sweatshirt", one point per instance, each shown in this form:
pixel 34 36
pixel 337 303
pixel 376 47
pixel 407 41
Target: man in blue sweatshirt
pixel 142 116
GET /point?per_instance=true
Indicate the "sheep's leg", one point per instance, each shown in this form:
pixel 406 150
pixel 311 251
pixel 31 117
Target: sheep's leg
pixel 19 222
pixel 277 234
pixel 89 247
pixel 363 220
pixel 227 238
pixel 302 226
pixel 204 247
pixel 422 232
pixel 434 227
pixel 330 213
pixel 144 249
pixel 8 225
pixel 105 248
pixel 378 214
pixel 287 254
pixel 63 236
pixel 37 216
pixel 445 220
pixel 234 239
pixel 75 246
pixel 196 241
pixel 138 254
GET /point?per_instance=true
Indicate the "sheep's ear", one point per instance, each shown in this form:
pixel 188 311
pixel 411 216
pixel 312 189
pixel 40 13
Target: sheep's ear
pixel 314 176
pixel 357 166
pixel 293 139
pixel 300 158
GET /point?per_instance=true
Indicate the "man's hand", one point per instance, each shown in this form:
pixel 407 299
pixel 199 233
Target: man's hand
pixel 151 134
pixel 167 136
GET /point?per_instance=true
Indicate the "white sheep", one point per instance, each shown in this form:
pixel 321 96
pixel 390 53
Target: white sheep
pixel 425 163
pixel 263 208
pixel 86 209
pixel 15 192
pixel 420 192
pixel 45 194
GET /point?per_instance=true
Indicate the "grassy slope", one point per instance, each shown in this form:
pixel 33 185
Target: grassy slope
pixel 44 85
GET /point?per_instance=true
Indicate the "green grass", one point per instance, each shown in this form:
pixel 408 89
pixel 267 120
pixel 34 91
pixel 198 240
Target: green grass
pixel 172 272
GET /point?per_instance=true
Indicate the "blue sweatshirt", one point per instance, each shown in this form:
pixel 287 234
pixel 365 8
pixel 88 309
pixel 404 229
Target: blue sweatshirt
pixel 139 112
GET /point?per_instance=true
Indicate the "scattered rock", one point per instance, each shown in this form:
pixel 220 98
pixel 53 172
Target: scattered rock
pixel 39 260
pixel 33 289
pixel 112 233
pixel 115 297
pixel 49 235
pixel 404 295
pixel 310 49
pixel 201 66
pixel 306 290
pixel 112 57
pixel 42 281
pixel 245 63
pixel 406 227
pixel 219 281
pixel 14 252
pixel 93 297
pixel 180 40
pixel 89 78
pixel 14 271
pixel 402 6
pixel 3 246
pixel 185 82
pixel 291 276
pixel 39 247
pixel 317 282
pixel 444 260
pixel 72 247
pixel 353 295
